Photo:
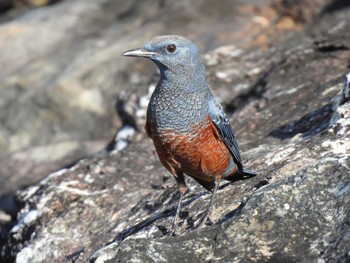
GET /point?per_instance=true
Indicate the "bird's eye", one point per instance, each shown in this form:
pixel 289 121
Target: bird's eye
pixel 171 48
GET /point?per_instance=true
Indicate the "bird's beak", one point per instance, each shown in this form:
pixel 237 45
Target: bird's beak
pixel 139 52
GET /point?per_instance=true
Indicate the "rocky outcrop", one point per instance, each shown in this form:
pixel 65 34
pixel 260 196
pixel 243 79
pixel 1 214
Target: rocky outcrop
pixel 291 113
pixel 61 73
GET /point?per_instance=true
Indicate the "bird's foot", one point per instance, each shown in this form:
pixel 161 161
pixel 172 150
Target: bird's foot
pixel 205 220
pixel 174 231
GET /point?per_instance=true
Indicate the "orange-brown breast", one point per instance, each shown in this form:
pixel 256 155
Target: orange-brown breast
pixel 200 154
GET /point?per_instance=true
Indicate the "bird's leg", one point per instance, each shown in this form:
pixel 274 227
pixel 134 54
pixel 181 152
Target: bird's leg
pixel 211 203
pixel 177 216
pixel 180 180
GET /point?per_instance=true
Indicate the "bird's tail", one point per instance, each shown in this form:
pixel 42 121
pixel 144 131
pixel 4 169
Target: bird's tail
pixel 242 174
pixel 249 173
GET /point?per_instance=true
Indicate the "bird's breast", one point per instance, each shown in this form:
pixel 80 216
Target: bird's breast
pixel 176 112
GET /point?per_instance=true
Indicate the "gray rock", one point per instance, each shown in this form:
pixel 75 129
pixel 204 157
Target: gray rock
pixel 61 73
pixel 291 116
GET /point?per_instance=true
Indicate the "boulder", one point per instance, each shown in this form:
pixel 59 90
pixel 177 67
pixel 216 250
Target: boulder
pixel 290 108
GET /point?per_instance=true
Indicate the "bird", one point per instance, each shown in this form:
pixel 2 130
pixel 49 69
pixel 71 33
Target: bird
pixel 189 128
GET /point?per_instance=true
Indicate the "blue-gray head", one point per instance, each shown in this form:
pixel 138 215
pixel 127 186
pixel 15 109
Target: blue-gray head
pixel 177 58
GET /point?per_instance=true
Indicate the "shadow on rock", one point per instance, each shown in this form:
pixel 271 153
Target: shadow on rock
pixel 309 125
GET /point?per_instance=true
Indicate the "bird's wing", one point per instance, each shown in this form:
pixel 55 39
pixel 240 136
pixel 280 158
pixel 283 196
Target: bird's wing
pixel 224 127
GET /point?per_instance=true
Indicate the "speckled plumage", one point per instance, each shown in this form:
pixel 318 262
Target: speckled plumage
pixel 188 126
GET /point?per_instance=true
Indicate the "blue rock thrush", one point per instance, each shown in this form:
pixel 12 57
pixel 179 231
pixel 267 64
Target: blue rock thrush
pixel 188 126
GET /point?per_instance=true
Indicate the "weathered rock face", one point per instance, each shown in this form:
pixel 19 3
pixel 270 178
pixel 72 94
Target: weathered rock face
pixel 61 72
pixel 292 119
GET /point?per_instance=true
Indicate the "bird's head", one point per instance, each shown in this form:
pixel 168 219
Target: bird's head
pixel 174 55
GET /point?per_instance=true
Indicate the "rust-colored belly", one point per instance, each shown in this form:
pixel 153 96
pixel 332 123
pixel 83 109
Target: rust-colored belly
pixel 200 154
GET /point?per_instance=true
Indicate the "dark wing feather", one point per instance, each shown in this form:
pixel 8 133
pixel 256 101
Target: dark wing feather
pixel 224 127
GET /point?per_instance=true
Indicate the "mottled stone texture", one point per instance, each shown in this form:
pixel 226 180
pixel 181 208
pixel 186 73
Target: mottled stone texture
pixel 282 89
pixel 62 73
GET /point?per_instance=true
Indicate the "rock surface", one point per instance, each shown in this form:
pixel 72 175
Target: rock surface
pixel 291 114
pixel 62 72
